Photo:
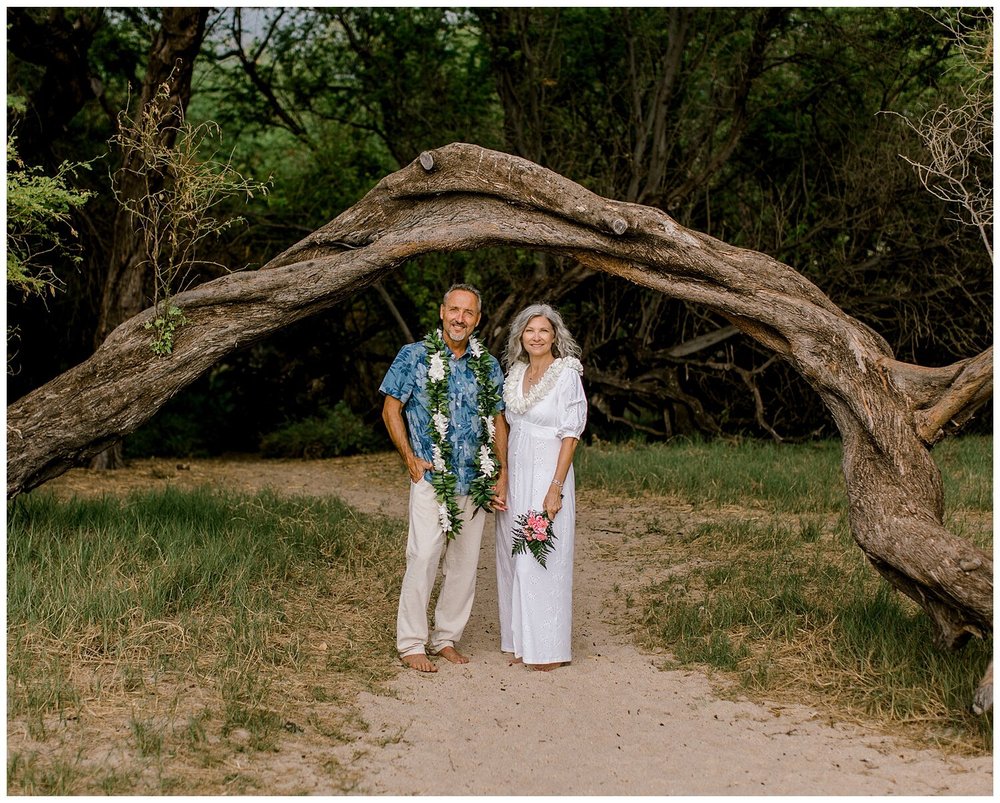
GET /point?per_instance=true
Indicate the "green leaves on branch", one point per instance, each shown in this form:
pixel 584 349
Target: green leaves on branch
pixel 38 218
pixel 164 326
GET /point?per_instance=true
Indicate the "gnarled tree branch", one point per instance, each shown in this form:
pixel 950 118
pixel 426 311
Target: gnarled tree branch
pixel 463 197
pixel 967 393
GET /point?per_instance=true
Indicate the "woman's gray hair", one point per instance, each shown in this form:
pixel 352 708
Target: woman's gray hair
pixel 562 346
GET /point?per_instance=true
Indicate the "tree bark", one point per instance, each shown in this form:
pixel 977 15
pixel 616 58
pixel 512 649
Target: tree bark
pixel 463 197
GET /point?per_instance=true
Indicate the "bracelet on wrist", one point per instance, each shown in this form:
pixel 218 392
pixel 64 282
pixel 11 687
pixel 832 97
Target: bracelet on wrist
pixel 556 482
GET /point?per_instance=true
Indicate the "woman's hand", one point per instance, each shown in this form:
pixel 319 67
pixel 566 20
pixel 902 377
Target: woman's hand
pixel 499 501
pixel 553 501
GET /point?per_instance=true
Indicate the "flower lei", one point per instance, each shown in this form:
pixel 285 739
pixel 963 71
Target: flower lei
pixel 486 463
pixel 515 402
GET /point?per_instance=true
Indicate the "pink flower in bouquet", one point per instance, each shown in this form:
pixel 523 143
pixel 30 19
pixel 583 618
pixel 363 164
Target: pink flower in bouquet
pixel 538 525
pixel 533 534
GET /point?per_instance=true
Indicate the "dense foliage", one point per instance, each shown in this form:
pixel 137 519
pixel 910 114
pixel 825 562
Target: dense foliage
pixel 764 127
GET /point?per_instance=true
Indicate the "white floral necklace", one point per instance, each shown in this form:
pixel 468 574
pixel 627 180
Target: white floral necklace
pixel 487 398
pixel 518 402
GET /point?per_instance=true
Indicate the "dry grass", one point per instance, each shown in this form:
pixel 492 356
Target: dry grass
pixel 229 687
pixel 786 609
pixel 245 690
pixel 756 578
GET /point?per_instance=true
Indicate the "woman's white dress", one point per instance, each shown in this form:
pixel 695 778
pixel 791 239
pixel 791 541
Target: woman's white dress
pixel 536 604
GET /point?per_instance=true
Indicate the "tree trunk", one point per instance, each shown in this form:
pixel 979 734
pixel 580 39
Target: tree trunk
pixel 59 46
pixel 464 197
pixel 171 62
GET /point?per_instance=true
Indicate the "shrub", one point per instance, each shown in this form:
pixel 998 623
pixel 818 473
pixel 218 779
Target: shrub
pixel 334 433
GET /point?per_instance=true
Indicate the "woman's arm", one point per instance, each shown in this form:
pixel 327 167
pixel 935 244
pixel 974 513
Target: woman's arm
pixel 553 498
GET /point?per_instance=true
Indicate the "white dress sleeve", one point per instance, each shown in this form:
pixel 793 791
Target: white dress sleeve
pixel 572 406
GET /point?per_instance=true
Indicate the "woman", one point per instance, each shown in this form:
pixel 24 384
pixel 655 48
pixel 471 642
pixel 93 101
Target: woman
pixel 546 411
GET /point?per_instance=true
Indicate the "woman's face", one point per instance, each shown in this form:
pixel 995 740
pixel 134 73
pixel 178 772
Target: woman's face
pixel 538 337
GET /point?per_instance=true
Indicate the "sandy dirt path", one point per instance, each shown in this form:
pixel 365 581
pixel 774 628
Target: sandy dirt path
pixel 612 723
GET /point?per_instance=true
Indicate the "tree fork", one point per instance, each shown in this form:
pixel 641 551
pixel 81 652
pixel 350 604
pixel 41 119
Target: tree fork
pixel 888 413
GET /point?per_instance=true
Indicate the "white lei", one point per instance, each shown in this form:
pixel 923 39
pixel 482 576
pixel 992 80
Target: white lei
pixel 516 401
pixel 485 462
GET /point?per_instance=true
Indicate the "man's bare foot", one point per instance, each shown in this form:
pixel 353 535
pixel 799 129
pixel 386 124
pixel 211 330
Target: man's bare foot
pixel 453 655
pixel 543 667
pixel 420 662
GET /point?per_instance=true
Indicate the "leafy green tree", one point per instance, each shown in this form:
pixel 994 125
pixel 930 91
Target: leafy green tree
pixel 760 126
pixel 39 222
pixel 76 69
pixel 330 100
pixel 165 91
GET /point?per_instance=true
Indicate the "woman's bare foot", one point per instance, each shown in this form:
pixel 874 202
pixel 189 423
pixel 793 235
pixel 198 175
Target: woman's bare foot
pixel 515 661
pixel 419 661
pixel 543 667
pixel 453 655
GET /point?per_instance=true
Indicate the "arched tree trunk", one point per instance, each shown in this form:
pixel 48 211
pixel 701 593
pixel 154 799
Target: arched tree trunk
pixel 463 197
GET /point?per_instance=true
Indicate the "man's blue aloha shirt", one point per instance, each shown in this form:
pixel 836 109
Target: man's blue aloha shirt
pixel 406 380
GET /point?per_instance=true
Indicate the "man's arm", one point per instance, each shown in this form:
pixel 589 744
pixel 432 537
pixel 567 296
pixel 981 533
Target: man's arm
pixel 392 415
pixel 499 501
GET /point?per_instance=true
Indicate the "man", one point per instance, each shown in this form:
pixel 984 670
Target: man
pixel 432 392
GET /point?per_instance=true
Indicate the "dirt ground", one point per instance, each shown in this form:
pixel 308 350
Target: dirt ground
pixel 611 723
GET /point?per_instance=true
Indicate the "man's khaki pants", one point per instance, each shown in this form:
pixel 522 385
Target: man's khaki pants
pixel 424 546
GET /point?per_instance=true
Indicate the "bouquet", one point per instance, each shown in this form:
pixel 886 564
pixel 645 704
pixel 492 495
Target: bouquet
pixel 533 533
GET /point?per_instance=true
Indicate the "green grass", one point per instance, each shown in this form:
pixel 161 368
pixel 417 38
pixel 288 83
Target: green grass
pixel 192 619
pixel 966 466
pixel 104 564
pixel 790 478
pixel 779 598
pixel 119 599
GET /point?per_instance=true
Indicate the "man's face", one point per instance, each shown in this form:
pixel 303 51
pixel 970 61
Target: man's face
pixel 459 316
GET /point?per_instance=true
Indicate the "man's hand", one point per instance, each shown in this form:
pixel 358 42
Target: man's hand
pixel 392 415
pixel 502 430
pixel 416 467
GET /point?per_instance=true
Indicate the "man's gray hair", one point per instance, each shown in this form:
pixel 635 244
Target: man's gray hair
pixel 562 346
pixel 469 289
